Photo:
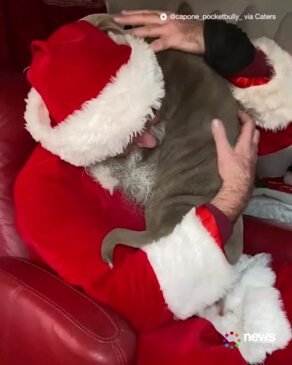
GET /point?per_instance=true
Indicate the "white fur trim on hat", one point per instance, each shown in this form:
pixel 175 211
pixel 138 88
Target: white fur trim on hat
pixel 254 310
pixel 272 102
pixel 105 125
pixel 191 269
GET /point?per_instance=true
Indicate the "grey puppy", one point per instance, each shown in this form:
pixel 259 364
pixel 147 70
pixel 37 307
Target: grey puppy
pixel 187 173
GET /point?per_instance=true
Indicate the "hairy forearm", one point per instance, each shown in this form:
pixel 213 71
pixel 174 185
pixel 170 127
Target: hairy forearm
pixel 231 202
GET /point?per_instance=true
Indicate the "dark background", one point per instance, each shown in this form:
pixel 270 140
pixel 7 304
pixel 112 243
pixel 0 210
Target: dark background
pixel 22 21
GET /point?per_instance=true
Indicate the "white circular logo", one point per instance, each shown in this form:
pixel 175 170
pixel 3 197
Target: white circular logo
pixel 172 16
pixel 163 16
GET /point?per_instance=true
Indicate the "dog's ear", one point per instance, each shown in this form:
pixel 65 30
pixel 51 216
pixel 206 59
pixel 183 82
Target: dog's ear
pixel 185 9
pixel 105 22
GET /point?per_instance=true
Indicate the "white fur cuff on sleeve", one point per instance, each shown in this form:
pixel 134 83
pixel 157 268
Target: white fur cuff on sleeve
pixel 253 310
pixel 190 267
pixel 271 102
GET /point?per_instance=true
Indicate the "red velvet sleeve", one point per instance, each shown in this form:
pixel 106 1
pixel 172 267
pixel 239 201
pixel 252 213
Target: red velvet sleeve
pixel 63 215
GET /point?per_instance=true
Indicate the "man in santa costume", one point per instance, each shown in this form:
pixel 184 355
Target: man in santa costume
pixel 95 97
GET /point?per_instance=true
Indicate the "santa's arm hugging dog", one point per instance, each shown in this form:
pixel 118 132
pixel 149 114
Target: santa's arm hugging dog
pixel 92 96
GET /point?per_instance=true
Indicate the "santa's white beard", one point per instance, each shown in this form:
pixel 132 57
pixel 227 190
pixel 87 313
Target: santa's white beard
pixel 134 174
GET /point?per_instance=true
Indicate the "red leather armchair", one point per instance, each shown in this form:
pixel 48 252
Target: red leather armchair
pixel 43 320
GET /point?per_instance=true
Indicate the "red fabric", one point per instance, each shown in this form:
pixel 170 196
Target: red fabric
pixel 271 142
pixel 266 235
pixel 276 183
pixel 245 82
pixel 283 284
pixel 78 52
pixel 224 224
pixel 209 221
pixel 259 72
pixel 195 341
pixel 63 215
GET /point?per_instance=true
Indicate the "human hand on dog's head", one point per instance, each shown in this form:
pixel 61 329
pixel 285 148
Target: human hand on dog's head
pixel 183 35
pixel 236 165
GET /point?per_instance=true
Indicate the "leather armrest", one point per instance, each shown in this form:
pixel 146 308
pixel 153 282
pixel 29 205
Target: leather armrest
pixel 16 146
pixel 263 235
pixel 46 321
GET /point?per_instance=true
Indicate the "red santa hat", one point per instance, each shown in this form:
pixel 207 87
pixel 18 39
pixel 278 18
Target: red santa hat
pixel 91 92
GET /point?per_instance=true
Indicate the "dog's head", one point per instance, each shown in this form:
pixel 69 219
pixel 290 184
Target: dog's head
pixel 105 22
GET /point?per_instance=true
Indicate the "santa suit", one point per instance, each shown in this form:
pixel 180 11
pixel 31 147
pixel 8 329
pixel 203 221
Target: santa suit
pixel 274 122
pixel 63 213
pixel 259 73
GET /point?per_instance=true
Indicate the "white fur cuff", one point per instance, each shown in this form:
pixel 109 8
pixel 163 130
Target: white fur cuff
pixel 253 315
pixel 271 102
pixel 191 269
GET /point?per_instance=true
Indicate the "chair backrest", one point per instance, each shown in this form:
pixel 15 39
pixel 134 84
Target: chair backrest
pixel 15 147
pixel 24 21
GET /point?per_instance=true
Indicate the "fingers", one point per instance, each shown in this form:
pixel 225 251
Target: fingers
pixel 159 45
pixel 153 31
pixel 245 117
pixel 248 131
pixel 256 138
pixel 139 12
pixel 139 19
pixel 148 31
pixel 220 137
